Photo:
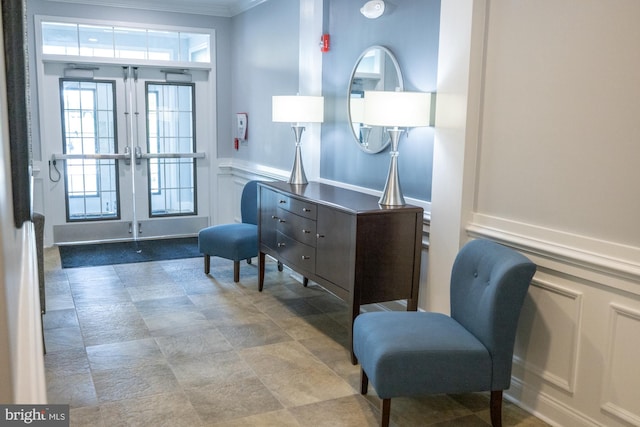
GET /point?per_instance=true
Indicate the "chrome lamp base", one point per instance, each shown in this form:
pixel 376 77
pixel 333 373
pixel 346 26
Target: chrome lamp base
pixel 392 194
pixel 298 176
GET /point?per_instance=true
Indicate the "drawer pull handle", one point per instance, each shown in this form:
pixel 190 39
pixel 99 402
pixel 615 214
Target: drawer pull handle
pixel 306 231
pixel 274 217
pixel 281 221
pixel 282 201
pixel 281 245
pixel 306 210
pixel 305 257
pixel 320 236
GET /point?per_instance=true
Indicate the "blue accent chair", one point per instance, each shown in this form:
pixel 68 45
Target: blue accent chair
pixel 421 353
pixel 236 241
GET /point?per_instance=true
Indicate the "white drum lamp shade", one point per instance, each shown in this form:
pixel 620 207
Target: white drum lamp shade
pixel 397 109
pixel 298 109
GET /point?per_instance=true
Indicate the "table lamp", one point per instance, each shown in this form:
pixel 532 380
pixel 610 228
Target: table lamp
pixel 297 110
pixel 397 111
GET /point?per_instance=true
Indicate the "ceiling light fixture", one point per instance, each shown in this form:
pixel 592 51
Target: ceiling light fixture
pixel 373 9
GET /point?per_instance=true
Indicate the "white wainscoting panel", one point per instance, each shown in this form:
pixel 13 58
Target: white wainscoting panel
pixel 622 376
pixel 577 349
pixel 549 333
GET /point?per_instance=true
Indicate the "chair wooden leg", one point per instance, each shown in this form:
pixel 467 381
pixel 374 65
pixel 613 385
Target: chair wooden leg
pixel 207 263
pixel 236 271
pixel 364 382
pixel 385 407
pixel 496 408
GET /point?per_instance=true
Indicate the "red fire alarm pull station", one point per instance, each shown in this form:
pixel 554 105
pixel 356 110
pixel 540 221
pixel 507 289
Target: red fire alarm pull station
pixel 324 43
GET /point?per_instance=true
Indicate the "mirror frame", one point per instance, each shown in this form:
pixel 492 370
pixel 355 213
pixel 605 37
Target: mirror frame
pixel 390 55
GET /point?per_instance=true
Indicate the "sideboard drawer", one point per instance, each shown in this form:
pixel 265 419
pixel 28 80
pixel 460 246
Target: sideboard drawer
pixel 297 227
pixel 297 206
pixel 299 254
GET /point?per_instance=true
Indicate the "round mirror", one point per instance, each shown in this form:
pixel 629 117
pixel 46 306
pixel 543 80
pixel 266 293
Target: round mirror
pixel 375 69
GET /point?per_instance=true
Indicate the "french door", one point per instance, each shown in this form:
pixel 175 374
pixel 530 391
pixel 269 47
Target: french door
pixel 126 147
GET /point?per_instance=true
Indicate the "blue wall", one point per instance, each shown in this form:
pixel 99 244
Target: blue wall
pixel 264 61
pixel 410 29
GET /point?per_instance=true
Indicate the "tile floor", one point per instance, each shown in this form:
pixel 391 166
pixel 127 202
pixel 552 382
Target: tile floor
pixel 162 344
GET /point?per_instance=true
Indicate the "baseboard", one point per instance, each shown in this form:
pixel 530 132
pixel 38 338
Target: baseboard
pixel 545 407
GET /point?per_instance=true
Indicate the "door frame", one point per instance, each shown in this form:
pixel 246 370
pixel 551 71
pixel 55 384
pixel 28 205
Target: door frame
pixel 50 130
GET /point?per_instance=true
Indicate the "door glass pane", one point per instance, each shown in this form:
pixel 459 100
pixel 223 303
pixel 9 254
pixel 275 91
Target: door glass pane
pixel 88 128
pixel 172 181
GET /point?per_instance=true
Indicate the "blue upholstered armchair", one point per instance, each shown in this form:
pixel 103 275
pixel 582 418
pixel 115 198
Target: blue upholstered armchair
pixel 420 353
pixel 236 241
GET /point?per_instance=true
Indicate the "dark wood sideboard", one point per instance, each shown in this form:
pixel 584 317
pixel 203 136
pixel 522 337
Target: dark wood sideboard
pixel 343 240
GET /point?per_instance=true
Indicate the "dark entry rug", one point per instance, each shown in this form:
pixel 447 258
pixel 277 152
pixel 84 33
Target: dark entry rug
pixel 128 252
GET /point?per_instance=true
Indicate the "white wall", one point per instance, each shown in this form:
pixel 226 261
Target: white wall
pixel 21 361
pixel 543 158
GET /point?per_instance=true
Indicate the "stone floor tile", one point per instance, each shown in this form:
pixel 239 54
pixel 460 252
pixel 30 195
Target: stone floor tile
pixel 61 364
pixel 349 411
pixel 89 416
pixel 75 390
pixel 207 341
pixel 279 357
pixel 127 354
pixel 282 418
pixel 55 319
pixel 254 334
pixel 130 383
pixel 61 339
pixel 162 306
pixel 171 410
pixel 155 291
pixel 207 369
pixel 215 403
pixel 295 387
pixel 177 323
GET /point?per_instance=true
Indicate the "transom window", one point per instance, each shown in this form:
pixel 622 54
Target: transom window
pixel 123 42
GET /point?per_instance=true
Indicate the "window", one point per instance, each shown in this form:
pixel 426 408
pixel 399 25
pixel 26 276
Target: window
pixel 107 41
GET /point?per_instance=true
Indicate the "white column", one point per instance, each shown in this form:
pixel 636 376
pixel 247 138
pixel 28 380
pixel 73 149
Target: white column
pixel 310 78
pixel 456 135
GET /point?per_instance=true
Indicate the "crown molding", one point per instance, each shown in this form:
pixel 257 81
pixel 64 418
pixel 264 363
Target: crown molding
pixel 222 8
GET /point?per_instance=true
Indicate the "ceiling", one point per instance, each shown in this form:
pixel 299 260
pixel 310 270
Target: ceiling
pixel 225 8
